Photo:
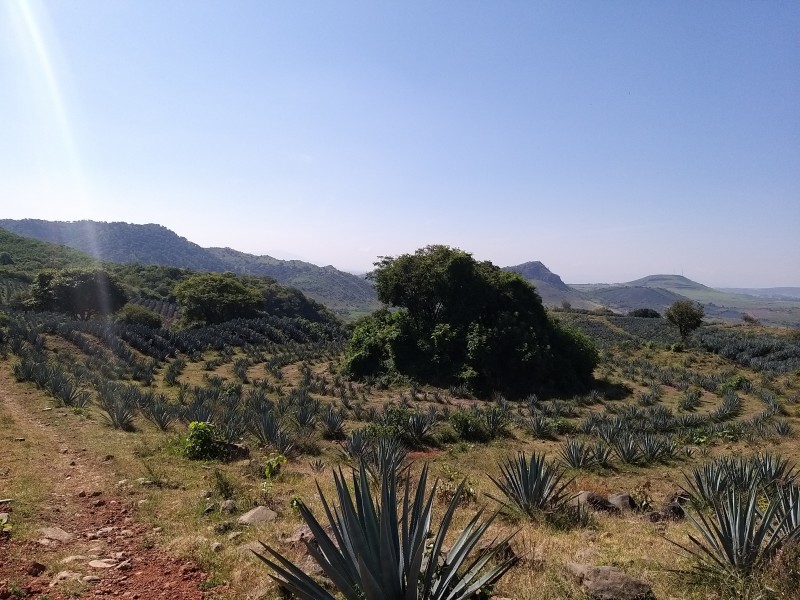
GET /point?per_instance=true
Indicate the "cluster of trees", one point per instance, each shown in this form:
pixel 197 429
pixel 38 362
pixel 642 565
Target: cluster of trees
pixel 456 321
pixel 78 292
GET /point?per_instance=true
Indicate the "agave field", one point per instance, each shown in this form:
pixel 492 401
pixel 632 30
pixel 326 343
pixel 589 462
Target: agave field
pixel 418 492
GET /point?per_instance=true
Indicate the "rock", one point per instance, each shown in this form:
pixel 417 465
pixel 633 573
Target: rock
pixel 655 516
pixel 216 547
pixel 227 507
pixel 73 558
pixel 210 508
pixel 56 534
pixel 609 583
pixel 103 564
pixel 673 511
pixel 124 565
pixel 260 514
pixel 90 579
pixel 208 494
pixel 98 503
pixel 65 576
pixel 678 496
pixel 299 536
pixel 222 527
pixel 251 547
pixel 623 502
pixel 595 501
pixel 233 535
pixel 35 569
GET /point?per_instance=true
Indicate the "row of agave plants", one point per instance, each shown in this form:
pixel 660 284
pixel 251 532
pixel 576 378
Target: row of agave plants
pixel 380 540
pixel 292 422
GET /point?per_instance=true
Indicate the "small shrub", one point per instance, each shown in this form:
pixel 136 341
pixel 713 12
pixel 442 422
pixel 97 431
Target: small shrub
pixel 202 443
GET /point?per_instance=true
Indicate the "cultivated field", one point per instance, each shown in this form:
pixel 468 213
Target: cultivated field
pixel 94 421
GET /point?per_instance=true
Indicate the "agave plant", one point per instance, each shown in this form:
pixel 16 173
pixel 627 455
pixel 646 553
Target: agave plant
pixel 532 487
pixel 577 454
pixel 377 547
pixel 333 424
pixel 740 537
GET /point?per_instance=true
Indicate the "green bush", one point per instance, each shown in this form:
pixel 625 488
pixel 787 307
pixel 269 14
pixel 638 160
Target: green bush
pixel 133 314
pixel 203 443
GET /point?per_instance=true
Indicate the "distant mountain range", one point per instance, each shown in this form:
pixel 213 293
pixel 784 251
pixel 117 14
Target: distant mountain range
pixel 350 295
pixel 344 293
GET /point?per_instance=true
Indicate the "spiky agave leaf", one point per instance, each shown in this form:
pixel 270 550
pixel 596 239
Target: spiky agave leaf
pixel 739 537
pixel 377 553
pixel 532 486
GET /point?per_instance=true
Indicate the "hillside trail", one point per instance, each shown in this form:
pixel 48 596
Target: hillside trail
pixel 81 540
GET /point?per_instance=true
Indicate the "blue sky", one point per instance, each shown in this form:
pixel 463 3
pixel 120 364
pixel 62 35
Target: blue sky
pixel 610 140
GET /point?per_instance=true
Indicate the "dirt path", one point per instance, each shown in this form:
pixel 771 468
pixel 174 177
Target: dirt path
pixel 83 540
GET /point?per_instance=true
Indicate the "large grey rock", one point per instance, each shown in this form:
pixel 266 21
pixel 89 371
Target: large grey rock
pixel 609 583
pixel 260 514
pixel 623 502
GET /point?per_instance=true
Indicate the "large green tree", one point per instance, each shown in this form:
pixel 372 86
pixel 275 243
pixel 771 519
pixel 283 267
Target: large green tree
pixel 685 315
pixel 215 298
pixel 79 292
pixel 458 320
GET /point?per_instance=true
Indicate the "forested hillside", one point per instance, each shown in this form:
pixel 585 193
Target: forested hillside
pixel 152 244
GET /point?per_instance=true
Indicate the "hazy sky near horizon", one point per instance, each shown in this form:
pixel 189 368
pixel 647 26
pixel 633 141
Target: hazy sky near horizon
pixel 610 140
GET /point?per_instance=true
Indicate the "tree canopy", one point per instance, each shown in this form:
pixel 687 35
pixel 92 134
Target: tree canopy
pixel 215 298
pixel 460 321
pixel 685 315
pixel 79 292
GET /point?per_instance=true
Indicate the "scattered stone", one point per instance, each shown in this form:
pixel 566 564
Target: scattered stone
pixel 609 583
pixel 108 457
pixel 19 439
pixel 106 563
pixel 233 535
pixel 56 534
pixel 90 579
pixel 124 565
pixel 73 558
pixel 65 576
pixel 82 494
pixel 105 530
pixel 623 502
pixel 126 533
pixel 98 503
pixel 210 508
pixel 655 516
pixel 228 507
pixel 208 494
pixel 678 496
pixel 300 535
pixel 222 527
pixel 95 493
pixel 35 569
pixel 260 514
pixel 157 529
pixel 595 501
pixel 72 463
pixel 122 483
pixel 216 547
pixel 142 502
pixel 251 547
pixel 673 511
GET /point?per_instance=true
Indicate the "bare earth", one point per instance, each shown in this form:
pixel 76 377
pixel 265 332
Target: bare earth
pixel 95 525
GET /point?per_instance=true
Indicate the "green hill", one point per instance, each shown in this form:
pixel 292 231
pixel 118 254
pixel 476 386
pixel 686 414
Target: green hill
pixel 152 244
